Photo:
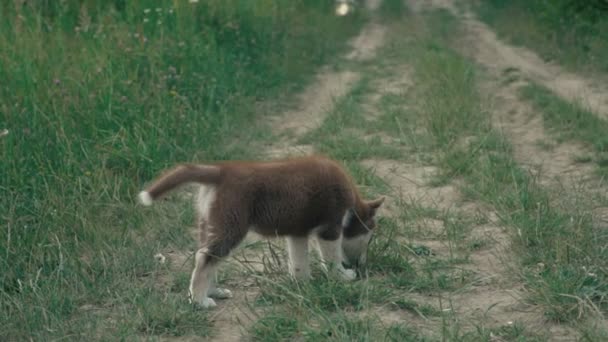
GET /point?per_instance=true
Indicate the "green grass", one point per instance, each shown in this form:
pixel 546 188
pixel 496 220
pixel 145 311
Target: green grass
pixel 571 122
pixel 442 121
pixel 458 130
pixel 393 9
pixel 543 231
pixel 275 327
pixel 97 98
pixel 95 112
pixel 570 32
pixel 330 310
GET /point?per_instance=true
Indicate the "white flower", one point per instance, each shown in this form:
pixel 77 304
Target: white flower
pixel 193 1
pixel 342 9
pixel 146 20
pixel 146 11
pixel 160 258
pixel 3 132
pixel 157 9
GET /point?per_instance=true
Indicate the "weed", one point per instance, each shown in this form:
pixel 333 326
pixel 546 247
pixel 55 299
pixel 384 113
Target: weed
pixel 424 310
pixel 275 327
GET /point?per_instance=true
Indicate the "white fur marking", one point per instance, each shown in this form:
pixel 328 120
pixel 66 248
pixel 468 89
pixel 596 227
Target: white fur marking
pixel 348 215
pixel 145 198
pixel 201 281
pixel 204 200
pixel 355 249
pixel 297 249
pixel 332 255
pixel 348 274
pixel 207 303
pixel 219 293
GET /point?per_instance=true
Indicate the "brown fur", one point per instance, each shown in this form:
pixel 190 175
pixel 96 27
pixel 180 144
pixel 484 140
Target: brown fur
pixel 291 197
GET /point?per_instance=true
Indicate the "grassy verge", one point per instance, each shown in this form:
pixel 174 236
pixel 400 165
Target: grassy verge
pixel 571 32
pixel 98 97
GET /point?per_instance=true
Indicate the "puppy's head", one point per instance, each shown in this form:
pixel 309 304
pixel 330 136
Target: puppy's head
pixel 359 227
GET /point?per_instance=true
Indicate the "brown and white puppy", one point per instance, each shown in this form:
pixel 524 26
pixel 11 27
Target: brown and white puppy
pixel 295 198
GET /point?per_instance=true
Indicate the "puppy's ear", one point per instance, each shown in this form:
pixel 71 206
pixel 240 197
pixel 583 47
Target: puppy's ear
pixel 375 204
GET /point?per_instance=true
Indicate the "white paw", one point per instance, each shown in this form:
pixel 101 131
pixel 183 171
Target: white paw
pixel 348 275
pixel 207 303
pixel 220 293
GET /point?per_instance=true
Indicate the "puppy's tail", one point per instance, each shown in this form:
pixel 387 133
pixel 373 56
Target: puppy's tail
pixel 182 174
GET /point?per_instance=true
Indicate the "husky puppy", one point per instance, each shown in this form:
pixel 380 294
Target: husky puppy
pixel 294 198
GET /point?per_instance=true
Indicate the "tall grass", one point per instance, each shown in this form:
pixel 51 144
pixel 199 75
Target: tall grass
pixel 569 31
pixel 97 97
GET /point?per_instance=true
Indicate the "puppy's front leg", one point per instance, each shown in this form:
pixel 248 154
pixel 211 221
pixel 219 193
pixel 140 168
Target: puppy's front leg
pixel 331 252
pixel 297 248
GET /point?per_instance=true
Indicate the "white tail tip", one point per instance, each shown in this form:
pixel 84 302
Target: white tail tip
pixel 145 198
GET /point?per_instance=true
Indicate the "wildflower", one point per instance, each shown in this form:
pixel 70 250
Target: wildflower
pixel 159 22
pixel 342 9
pixel 193 1
pixel 158 10
pixel 146 20
pixel 4 132
pixel 160 258
pixel 146 11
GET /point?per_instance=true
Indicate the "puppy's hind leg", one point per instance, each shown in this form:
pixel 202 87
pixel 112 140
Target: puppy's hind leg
pixel 202 286
pixel 202 277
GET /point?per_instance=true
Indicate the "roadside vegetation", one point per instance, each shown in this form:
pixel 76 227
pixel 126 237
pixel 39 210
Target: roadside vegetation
pixel 98 96
pixel 571 32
